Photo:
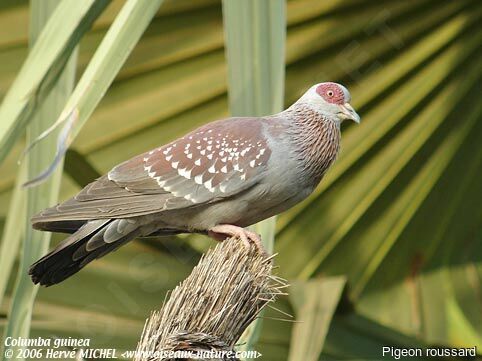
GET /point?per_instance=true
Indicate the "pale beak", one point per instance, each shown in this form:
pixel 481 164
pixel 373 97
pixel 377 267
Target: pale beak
pixel 347 112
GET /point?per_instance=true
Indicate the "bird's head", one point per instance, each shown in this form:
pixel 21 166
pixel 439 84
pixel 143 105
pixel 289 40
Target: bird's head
pixel 331 100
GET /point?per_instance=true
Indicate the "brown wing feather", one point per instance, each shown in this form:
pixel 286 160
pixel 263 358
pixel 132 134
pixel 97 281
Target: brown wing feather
pixel 213 162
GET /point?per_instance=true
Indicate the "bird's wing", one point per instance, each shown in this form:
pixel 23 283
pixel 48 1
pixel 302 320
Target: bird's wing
pixel 213 162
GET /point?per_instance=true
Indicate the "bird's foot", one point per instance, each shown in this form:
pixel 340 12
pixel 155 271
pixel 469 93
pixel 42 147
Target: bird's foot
pixel 223 231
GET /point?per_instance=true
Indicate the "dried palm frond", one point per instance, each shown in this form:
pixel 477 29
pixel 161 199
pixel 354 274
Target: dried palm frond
pixel 211 308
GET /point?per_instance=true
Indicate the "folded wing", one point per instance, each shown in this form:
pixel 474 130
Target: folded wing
pixel 211 163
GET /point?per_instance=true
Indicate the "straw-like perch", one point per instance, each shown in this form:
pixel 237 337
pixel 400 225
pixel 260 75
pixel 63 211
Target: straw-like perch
pixel 211 308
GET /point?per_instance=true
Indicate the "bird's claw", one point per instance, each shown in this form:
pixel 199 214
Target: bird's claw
pixel 247 237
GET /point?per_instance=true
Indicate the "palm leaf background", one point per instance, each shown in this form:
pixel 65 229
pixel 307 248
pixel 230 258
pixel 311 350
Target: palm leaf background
pixel 35 244
pixel 399 214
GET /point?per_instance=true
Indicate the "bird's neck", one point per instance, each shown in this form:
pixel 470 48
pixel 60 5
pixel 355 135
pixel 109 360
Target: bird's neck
pixel 316 139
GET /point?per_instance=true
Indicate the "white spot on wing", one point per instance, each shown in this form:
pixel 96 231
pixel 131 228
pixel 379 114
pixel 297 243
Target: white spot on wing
pixel 209 185
pixel 188 197
pixel 184 173
pixel 198 179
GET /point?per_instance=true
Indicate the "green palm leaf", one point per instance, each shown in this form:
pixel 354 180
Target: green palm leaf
pixel 31 201
pixel 45 62
pixel 255 33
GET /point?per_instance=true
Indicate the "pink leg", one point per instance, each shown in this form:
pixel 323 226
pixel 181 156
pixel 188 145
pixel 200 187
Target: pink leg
pixel 229 230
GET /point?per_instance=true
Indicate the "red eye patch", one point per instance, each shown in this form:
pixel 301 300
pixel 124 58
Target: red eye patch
pixel 331 92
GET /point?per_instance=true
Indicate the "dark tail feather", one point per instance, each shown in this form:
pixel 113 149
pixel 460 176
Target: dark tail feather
pixel 76 251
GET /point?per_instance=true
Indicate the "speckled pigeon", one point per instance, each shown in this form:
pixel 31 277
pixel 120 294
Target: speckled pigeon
pixel 219 178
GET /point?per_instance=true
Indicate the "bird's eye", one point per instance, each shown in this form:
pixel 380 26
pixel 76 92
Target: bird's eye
pixel 330 93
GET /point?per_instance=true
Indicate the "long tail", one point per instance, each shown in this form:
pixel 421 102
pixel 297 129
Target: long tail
pixel 92 240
